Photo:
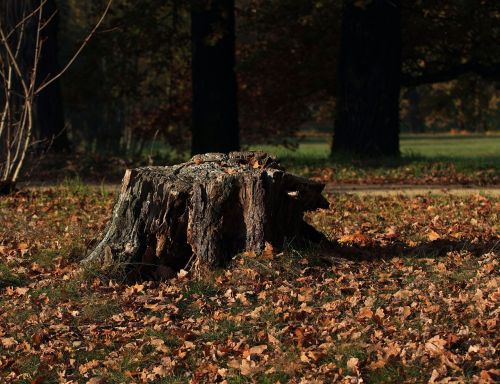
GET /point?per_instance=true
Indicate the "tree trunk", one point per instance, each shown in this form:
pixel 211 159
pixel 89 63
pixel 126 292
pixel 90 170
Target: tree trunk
pixel 215 111
pixel 49 106
pixel 367 119
pixel 206 211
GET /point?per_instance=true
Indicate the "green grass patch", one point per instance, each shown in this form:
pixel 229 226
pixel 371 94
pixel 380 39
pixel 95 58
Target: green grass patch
pixel 395 372
pixel 98 311
pixel 8 278
pixel 46 257
pixel 340 354
pixel 171 341
pixel 422 155
pixel 69 290
pixel 452 146
pixel 221 330
pixel 195 290
pixel 76 186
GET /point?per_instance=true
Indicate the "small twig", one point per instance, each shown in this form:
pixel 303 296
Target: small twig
pixel 190 263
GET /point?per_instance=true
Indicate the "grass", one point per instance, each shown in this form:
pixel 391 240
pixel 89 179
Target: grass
pixel 425 159
pixel 453 147
pixel 396 373
pixel 9 278
pixel 98 311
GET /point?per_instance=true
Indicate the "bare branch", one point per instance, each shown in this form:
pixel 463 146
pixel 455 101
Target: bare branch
pixel 13 59
pixel 78 51
pixel 20 85
pixel 26 18
pixel 27 126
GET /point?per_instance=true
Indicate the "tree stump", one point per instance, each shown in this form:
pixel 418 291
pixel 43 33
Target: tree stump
pixel 206 211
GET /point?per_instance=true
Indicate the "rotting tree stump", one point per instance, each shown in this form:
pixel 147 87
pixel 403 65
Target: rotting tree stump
pixel 205 211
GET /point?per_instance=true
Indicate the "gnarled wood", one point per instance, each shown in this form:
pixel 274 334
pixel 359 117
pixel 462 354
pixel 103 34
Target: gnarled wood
pixel 207 210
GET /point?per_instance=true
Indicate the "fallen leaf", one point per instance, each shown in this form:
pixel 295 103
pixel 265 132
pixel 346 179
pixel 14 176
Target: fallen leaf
pixel 182 273
pixel 8 342
pixel 96 380
pixel 352 364
pixel 364 313
pixel 268 251
pixel 258 349
pixel 435 345
pixel 84 368
pixel 433 235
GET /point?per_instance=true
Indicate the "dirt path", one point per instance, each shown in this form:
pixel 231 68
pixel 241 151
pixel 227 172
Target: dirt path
pixel 411 190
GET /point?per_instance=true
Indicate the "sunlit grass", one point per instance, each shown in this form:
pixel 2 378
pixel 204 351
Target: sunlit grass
pixel 426 146
pixel 423 156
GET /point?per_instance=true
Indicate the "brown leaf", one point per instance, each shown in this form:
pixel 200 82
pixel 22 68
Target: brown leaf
pixel 247 368
pixel 257 350
pixel 97 380
pixel 433 235
pixel 21 291
pixel 435 346
pixel 84 368
pixel 299 334
pixel 376 365
pixel 272 339
pixel 352 364
pixel 8 342
pixel 364 313
pixel 355 238
pixel 268 251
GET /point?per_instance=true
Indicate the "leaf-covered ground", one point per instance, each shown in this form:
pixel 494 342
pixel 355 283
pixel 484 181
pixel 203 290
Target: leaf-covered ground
pixel 408 291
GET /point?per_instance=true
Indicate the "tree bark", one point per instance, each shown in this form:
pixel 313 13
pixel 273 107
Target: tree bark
pixel 367 119
pixel 49 106
pixel 214 109
pixel 206 211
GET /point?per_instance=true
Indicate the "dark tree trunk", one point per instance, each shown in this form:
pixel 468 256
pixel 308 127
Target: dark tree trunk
pixel 215 111
pixel 49 107
pixel 206 211
pixel 414 116
pixel 367 120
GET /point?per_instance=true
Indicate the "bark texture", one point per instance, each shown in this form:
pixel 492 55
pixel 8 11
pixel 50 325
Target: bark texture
pixel 205 211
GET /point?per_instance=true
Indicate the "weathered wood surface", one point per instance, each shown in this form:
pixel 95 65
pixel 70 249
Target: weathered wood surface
pixel 205 211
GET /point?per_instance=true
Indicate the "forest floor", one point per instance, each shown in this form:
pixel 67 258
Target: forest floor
pixel 408 290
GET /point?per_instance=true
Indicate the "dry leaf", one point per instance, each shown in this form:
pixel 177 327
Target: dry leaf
pixel 365 313
pixel 84 368
pixel 433 235
pixel 96 380
pixel 8 342
pixel 258 349
pixel 268 251
pixel 352 363
pixel 182 274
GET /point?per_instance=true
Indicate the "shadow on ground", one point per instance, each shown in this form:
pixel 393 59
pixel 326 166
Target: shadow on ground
pixel 329 252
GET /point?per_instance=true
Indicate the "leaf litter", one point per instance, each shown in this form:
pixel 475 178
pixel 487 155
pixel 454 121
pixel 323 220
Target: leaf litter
pixel 407 291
